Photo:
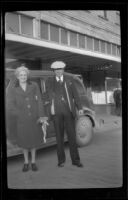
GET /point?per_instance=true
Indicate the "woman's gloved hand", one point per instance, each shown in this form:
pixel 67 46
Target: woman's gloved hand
pixel 43 120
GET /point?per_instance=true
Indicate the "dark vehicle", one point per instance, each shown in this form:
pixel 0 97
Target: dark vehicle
pixel 84 124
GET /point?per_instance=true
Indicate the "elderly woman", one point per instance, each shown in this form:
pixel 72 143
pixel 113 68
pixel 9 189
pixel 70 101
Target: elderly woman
pixel 24 101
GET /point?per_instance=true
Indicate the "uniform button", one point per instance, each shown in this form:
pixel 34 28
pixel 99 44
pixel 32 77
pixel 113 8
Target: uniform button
pixel 36 97
pixel 28 106
pixel 62 98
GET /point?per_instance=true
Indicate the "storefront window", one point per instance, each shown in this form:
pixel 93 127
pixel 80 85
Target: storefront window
pixel 98 87
pixel 98 96
pixel 118 51
pixel 108 48
pixel 112 84
pixel 113 49
pixel 44 30
pixel 64 36
pixel 89 43
pixel 73 39
pixel 26 25
pixel 81 41
pixel 12 23
pixel 102 46
pixel 54 33
pixel 96 45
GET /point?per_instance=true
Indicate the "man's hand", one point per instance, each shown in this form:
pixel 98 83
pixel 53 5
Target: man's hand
pixel 81 112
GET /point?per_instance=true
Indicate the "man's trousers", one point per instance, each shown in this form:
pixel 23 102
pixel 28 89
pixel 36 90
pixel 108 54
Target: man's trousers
pixel 63 120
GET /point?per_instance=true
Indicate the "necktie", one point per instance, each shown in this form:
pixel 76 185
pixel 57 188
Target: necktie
pixel 60 81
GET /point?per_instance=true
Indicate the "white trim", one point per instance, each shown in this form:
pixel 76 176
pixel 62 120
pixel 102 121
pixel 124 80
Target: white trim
pixel 68 37
pixel 116 51
pixel 49 34
pixel 19 17
pixel 111 48
pixel 67 95
pixel 100 45
pixel 39 28
pixel 85 41
pixel 59 35
pixel 77 40
pixel 34 28
pixel 93 44
pixel 41 43
pixel 105 47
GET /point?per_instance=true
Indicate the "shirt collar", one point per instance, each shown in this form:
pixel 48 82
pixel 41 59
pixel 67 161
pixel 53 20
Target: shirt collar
pixel 61 78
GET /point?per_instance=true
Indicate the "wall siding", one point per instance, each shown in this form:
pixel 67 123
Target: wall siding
pixel 87 23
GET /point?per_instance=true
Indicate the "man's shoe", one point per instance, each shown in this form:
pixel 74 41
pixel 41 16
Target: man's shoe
pixel 61 165
pixel 25 167
pixel 78 164
pixel 34 167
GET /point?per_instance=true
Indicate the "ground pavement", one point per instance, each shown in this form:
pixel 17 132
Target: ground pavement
pixel 102 160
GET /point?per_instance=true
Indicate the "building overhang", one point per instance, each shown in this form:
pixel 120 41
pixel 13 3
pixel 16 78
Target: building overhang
pixel 20 47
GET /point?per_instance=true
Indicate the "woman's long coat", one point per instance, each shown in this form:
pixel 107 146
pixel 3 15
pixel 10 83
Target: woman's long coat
pixel 26 107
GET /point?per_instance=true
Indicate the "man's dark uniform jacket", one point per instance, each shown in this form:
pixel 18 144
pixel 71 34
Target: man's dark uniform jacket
pixel 68 91
pixel 64 99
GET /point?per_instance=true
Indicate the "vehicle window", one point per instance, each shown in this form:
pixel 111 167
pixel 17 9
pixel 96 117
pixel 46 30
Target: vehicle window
pixel 43 86
pixel 6 83
pixel 79 87
pixel 47 81
pixel 9 84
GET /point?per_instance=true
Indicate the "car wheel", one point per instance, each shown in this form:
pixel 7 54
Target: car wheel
pixel 84 131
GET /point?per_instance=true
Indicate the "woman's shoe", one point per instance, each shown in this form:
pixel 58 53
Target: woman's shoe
pixel 34 167
pixel 25 167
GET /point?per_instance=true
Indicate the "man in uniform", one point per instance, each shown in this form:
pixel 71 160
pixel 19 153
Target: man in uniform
pixel 64 99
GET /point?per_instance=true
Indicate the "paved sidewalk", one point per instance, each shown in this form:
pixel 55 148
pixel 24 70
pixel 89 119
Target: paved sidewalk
pixel 102 160
pixel 108 122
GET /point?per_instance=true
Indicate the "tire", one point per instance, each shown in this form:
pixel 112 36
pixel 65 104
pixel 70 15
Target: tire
pixel 84 131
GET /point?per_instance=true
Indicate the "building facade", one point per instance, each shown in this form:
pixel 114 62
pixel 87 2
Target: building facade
pixel 87 41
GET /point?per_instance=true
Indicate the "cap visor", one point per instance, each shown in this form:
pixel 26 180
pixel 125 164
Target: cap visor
pixel 58 68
